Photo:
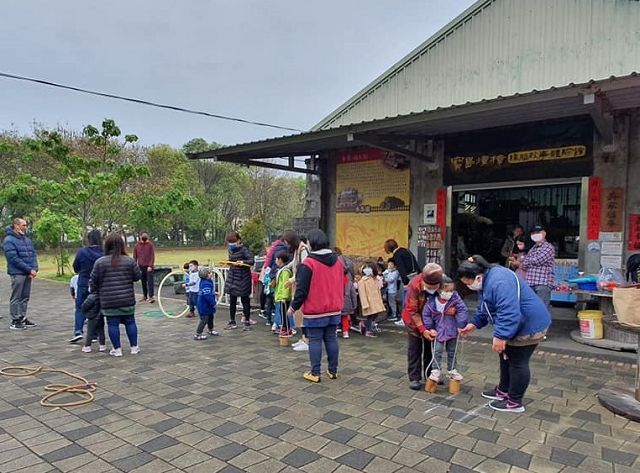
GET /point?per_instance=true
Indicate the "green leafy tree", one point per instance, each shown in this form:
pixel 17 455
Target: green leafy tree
pixel 254 235
pixel 55 229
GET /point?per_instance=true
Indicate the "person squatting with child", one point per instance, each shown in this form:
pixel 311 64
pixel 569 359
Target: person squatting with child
pixel 443 315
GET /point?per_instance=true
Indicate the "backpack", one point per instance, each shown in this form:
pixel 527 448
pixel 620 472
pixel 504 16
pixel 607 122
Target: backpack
pixel 91 306
pixel 633 268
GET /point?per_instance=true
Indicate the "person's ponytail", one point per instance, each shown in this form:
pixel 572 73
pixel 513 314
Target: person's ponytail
pixel 473 266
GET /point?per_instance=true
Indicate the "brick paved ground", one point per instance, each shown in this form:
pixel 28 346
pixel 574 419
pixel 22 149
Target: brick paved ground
pixel 238 403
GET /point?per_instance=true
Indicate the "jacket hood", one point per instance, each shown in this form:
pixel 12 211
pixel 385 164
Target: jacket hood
pixel 326 257
pixel 94 251
pixel 11 232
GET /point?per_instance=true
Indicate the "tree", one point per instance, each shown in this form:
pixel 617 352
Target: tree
pixel 253 235
pixel 54 229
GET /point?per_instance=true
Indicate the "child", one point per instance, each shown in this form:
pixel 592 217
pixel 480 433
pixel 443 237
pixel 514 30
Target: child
pixel 350 303
pixel 370 298
pixel 73 286
pixel 206 303
pixel 443 315
pixel 283 294
pixel 193 287
pixel 392 280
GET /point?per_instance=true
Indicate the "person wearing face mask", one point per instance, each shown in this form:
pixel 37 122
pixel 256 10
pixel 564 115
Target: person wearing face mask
pixel 539 265
pixel 370 298
pixel 520 320
pixel 238 281
pixel 443 315
pixel 22 267
pixel 421 288
pixel 144 253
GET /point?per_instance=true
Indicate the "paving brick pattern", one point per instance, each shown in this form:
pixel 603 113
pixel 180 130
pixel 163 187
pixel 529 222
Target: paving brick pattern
pixel 238 403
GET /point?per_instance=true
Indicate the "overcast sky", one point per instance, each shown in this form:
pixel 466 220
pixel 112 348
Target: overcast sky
pixel 288 62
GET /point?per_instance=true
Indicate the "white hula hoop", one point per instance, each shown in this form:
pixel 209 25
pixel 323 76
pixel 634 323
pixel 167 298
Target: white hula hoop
pixel 186 309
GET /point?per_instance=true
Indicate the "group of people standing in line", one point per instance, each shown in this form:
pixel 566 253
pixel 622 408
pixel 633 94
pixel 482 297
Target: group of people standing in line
pixel 309 286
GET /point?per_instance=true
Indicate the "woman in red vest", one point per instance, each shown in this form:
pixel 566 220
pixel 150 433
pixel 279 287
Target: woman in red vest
pixel 320 295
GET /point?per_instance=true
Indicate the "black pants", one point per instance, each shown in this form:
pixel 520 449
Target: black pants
pixel 146 278
pixel 418 356
pixel 515 374
pixel 206 320
pixel 246 308
pixel 269 307
pixel 95 329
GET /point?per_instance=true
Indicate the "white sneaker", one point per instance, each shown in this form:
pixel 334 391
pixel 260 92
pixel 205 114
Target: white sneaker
pixel 135 350
pixel 399 323
pixel 86 349
pixel 453 374
pixel 102 348
pixel 116 352
pixel 302 347
pixel 274 327
pixel 345 335
pixel 435 375
pixel 293 345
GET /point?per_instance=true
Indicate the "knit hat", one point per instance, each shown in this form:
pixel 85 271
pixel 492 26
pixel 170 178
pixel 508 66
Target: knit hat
pixel 433 278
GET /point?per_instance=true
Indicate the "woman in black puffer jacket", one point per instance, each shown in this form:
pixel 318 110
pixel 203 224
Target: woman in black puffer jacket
pixel 238 280
pixel 112 279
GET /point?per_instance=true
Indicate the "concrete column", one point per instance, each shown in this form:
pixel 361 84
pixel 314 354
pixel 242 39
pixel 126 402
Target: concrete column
pixel 633 174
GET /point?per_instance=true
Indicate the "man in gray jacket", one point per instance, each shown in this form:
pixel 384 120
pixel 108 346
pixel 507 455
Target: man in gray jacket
pixel 22 267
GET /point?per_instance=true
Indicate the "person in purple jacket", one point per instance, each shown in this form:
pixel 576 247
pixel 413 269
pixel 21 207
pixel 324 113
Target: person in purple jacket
pixel 443 315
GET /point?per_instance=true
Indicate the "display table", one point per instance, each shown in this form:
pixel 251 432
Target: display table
pixel 620 400
pixel 614 337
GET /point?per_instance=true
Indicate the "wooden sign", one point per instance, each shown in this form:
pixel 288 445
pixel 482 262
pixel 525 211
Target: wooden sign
pixel 612 209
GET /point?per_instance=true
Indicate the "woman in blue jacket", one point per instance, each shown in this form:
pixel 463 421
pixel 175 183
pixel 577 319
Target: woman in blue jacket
pixel 520 321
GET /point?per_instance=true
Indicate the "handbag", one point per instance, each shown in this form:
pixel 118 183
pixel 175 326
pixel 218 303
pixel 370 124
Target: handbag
pixel 626 302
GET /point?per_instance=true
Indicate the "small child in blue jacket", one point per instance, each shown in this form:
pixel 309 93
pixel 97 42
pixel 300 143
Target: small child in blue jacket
pixel 206 303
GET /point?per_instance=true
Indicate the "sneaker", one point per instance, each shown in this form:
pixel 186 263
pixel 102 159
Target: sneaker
pixel 267 323
pixel 252 322
pixel 262 315
pixel 370 335
pixel 454 375
pixel 135 350
pixel 102 348
pixel 199 337
pixel 338 330
pixel 494 394
pixel 505 405
pixel 17 325
pixel 27 323
pixel 302 347
pixel 415 385
pixel 213 333
pixel 399 323
pixel 231 326
pixel 332 375
pixel 309 376
pixel 274 327
pixel 345 335
pixel 392 319
pixel 435 375
pixel 293 345
pixel 151 300
pixel 75 338
pixel 247 328
pixel 86 349
pixel 116 352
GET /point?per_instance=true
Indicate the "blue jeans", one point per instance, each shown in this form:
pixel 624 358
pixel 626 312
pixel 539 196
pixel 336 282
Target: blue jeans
pixel 450 346
pixel 318 335
pixel 129 322
pixel 280 305
pixel 81 295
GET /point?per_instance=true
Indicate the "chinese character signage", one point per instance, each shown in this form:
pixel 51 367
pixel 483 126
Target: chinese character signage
pixel 634 232
pixel 593 209
pixel 372 205
pixel 532 151
pixel 612 209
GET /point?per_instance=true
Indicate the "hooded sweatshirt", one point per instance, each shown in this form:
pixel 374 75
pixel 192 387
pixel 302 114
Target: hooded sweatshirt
pixel 21 257
pixel 83 263
pixel 144 253
pixel 320 289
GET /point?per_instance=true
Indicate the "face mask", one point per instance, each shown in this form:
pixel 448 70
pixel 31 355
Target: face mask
pixel 536 237
pixel 431 291
pixel 144 238
pixel 232 246
pixel 477 284
pixel 446 295
pixel 367 271
pixel 191 267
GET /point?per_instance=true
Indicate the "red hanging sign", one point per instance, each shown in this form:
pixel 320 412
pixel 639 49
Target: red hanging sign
pixel 594 208
pixel 441 202
pixel 634 232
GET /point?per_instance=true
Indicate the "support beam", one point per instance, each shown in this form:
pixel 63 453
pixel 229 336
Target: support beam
pixel 376 142
pixel 598 108
pixel 268 165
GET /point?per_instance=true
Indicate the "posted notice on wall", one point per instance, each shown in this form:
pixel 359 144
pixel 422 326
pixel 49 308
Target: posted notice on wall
pixel 614 262
pixel 430 214
pixel 611 248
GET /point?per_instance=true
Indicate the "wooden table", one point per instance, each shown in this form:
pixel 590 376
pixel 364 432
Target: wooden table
pixel 619 400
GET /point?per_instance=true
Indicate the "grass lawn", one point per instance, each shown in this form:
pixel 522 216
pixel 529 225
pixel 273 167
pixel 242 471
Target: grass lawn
pixel 164 257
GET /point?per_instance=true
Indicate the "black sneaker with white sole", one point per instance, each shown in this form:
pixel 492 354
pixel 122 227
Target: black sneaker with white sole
pixel 17 325
pixel 494 394
pixel 505 405
pixel 27 323
pixel 75 338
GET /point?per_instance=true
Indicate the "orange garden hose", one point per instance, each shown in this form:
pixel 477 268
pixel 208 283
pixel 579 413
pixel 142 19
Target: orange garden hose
pixel 84 390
